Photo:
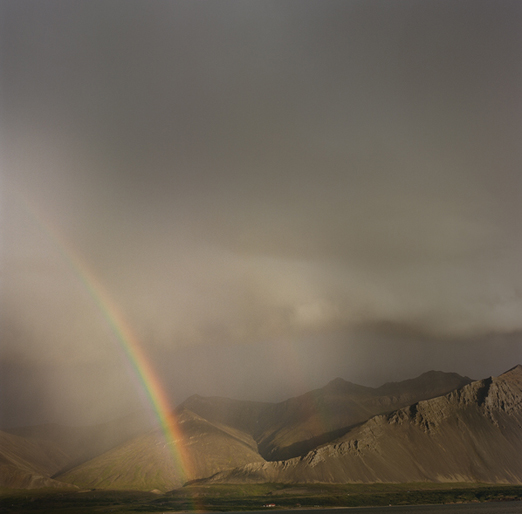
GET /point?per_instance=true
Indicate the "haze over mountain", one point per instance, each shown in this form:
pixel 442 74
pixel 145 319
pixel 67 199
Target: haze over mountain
pixel 82 443
pixel 452 429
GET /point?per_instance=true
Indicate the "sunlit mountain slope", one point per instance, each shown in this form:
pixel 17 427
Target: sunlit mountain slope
pixel 146 462
pixel 473 434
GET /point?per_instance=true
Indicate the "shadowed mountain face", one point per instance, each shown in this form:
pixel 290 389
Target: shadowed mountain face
pixel 297 425
pixel 437 427
pixel 472 434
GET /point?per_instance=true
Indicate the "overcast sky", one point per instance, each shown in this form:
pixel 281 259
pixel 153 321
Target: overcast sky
pixel 274 193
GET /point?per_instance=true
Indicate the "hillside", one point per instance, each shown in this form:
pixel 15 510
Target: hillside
pixel 146 463
pixel 472 434
pixel 295 426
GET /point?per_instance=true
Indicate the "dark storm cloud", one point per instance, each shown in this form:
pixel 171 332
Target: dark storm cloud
pixel 264 173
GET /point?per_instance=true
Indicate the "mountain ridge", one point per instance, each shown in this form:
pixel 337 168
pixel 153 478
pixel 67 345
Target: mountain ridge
pixel 339 433
pixel 471 434
pixel 294 426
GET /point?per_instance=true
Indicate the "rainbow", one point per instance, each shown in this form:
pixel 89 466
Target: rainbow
pixel 130 345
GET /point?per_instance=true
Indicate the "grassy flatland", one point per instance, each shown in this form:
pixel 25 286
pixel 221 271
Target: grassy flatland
pixel 250 497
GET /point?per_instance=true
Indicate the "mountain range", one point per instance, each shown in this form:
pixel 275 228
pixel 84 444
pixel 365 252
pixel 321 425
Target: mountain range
pixel 438 427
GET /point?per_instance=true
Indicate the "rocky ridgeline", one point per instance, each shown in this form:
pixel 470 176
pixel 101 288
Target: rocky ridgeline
pixel 473 434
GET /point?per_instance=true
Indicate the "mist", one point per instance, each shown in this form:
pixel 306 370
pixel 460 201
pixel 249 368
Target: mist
pixel 273 194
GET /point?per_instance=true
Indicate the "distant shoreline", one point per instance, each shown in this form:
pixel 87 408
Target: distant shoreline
pixel 446 498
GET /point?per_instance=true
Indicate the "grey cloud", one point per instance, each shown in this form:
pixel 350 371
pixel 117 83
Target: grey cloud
pixel 261 174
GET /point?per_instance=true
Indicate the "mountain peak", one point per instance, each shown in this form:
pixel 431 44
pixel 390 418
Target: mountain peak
pixel 339 385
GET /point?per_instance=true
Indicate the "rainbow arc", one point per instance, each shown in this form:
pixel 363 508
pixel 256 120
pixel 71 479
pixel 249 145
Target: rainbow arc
pixel 131 347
